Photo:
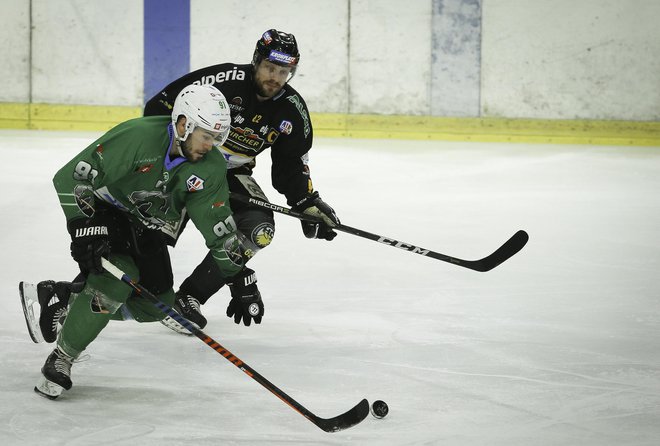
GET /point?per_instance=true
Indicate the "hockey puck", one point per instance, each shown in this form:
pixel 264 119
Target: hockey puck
pixel 379 409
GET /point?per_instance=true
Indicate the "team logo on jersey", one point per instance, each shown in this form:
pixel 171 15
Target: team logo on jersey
pixel 286 127
pixel 218 204
pixel 262 235
pixel 267 38
pixel 232 247
pixel 84 199
pixel 194 183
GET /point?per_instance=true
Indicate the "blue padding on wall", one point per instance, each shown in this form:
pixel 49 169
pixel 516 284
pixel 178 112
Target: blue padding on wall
pixel 166 43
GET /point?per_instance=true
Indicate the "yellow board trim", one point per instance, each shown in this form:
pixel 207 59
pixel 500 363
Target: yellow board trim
pixel 64 117
pixel 541 131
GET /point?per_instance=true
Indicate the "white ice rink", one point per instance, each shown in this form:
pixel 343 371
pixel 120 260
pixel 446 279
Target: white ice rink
pixel 560 345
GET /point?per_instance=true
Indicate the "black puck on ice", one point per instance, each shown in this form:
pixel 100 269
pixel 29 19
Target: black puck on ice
pixel 379 409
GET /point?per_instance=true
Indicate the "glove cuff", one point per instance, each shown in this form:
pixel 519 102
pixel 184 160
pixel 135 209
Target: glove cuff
pixel 244 278
pixel 86 227
pixel 306 201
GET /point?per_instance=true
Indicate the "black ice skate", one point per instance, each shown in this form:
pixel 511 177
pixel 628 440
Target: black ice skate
pixel 52 299
pixel 56 375
pixel 189 308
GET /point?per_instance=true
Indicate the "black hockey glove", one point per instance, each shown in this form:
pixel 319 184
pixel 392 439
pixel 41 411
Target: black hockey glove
pixel 314 206
pixel 89 242
pixel 246 300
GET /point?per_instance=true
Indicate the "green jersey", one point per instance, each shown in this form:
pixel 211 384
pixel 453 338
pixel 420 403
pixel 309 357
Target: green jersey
pixel 132 169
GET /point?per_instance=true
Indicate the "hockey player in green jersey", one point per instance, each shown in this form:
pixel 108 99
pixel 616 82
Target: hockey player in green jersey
pixel 121 196
pixel 268 115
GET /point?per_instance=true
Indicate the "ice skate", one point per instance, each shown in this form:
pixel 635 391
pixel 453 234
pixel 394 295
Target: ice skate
pixel 44 308
pixel 189 308
pixel 56 375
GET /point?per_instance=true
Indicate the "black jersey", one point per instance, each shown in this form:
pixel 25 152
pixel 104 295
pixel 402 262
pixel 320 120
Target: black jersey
pixel 281 123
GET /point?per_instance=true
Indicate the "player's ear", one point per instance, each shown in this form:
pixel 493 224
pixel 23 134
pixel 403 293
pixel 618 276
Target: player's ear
pixel 181 124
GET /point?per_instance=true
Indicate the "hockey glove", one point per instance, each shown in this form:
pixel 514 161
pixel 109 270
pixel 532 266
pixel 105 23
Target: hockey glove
pixel 246 300
pixel 314 206
pixel 89 243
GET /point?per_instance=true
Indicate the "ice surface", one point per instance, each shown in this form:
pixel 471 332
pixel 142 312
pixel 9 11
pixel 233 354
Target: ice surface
pixel 560 345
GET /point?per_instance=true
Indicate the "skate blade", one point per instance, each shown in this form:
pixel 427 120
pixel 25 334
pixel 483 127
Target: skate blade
pixel 48 389
pixel 29 301
pixel 175 326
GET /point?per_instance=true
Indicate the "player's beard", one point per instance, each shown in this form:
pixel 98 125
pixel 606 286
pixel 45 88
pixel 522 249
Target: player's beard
pixel 184 146
pixel 267 90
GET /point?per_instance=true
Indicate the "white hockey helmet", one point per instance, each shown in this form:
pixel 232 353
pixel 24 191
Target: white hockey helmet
pixel 205 107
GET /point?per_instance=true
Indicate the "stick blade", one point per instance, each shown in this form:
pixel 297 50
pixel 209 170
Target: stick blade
pixel 504 252
pixel 346 420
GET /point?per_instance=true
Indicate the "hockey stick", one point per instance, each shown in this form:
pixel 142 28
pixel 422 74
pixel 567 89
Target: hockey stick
pixel 340 422
pixel 504 252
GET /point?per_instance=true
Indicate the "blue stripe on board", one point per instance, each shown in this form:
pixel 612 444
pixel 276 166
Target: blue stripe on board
pixel 166 43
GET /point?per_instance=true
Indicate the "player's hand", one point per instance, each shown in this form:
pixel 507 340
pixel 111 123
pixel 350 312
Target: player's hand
pixel 246 303
pixel 89 243
pixel 314 206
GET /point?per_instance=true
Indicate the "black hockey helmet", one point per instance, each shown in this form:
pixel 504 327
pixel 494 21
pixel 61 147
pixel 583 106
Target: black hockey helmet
pixel 277 47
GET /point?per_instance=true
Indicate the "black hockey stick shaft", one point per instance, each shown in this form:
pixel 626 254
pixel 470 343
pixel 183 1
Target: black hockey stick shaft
pixel 340 422
pixel 504 252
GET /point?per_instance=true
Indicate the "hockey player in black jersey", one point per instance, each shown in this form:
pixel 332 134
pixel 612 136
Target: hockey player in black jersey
pixel 266 113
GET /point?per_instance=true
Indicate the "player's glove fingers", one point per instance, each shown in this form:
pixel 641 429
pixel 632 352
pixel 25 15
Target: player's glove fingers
pixel 246 303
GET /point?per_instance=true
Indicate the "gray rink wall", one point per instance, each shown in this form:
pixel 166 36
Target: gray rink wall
pixel 539 59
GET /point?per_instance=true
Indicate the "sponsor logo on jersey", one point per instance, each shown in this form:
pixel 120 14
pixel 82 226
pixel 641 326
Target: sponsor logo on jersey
pixel 267 38
pixel 236 104
pixel 286 127
pixel 222 76
pixel 146 168
pixel 218 204
pixel 245 140
pixel 295 100
pixel 194 183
